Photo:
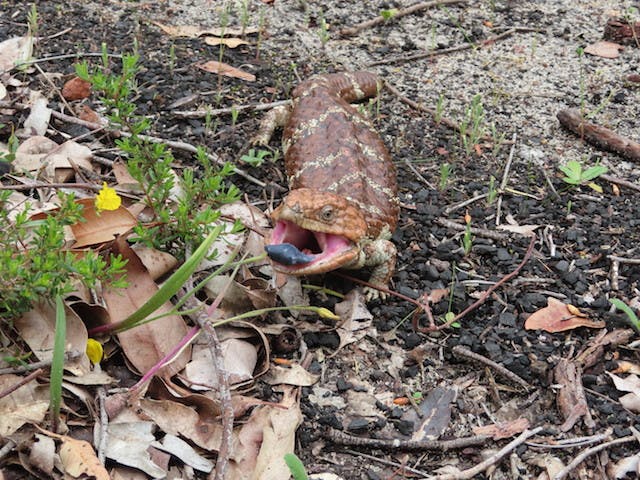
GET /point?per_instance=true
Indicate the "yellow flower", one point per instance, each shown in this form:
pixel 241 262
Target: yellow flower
pixel 94 350
pixel 107 199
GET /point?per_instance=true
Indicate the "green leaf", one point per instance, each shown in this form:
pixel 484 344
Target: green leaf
pixel 631 316
pixel 172 285
pixel 57 363
pixel 295 466
pixel 389 13
pixel 573 170
pixel 595 187
pixel 594 172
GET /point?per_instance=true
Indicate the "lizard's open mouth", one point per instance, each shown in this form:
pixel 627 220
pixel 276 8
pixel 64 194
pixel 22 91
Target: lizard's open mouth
pixel 297 250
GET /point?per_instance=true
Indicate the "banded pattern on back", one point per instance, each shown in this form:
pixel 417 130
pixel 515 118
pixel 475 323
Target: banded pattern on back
pixel 329 146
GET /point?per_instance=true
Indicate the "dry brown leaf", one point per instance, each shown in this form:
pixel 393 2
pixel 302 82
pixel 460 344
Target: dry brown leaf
pixel 526 230
pixel 128 444
pixel 502 430
pixel 604 49
pixel 627 367
pixel 42 453
pixel 14 51
pixel 185 452
pixel 31 152
pixel 197 425
pixel 293 375
pixel 29 403
pixel 571 398
pixel 239 359
pixel 61 163
pixel 227 70
pixel 76 89
pixel 38 120
pixel 193 31
pixel 264 440
pixel 157 262
pixel 231 42
pixel 101 227
pixel 37 328
pixel 146 344
pixel 557 317
pixel 79 458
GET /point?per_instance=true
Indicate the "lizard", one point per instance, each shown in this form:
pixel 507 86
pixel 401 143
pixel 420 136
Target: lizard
pixel 342 207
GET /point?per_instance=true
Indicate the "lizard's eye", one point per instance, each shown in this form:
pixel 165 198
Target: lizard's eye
pixel 327 213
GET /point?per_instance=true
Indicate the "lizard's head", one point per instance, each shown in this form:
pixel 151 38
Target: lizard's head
pixel 315 232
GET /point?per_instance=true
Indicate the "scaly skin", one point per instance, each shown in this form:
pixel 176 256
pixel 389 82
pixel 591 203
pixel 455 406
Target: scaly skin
pixel 342 208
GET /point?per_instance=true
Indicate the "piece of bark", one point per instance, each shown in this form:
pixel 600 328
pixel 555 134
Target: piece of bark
pixel 571 399
pixel 621 31
pixel 600 136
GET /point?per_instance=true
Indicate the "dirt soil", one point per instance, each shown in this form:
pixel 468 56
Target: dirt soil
pixel 522 80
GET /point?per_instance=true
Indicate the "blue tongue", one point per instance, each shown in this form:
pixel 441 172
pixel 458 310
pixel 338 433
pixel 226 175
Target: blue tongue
pixel 287 254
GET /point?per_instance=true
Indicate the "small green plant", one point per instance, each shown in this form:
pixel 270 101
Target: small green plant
pixel 388 14
pixel 34 264
pixel 497 139
pixel 576 174
pixel 172 58
pixel 569 206
pixel 467 238
pixel 323 30
pixel 439 109
pixel 632 318
pixel 243 14
pixel 472 125
pixel 296 466
pixel 445 173
pixel 234 115
pixel 492 192
pixel 180 221
pixel 32 21
pixel 254 157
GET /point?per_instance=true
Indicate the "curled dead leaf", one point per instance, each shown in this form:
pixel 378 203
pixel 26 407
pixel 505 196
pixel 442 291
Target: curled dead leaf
pixel 227 70
pixel 558 317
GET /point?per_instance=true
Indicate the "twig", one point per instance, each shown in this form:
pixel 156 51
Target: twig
pixel 24 381
pixel 402 468
pixel 4 451
pixel 620 181
pixel 187 147
pixel 615 268
pixel 464 203
pixel 481 232
pixel 59 57
pixel 257 107
pixel 459 48
pixel 348 31
pixel 572 442
pixel 492 460
pixel 505 178
pixel 421 108
pixel 71 355
pixel 341 438
pixel 509 375
pixel 588 452
pixel 104 425
pixel 486 293
pixel 602 137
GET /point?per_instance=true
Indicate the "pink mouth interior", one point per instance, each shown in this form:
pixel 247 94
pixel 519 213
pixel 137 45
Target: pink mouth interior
pixel 319 244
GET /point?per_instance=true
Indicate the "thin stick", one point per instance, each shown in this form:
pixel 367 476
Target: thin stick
pixel 187 147
pixel 24 381
pixel 72 355
pixel 505 178
pixel 256 107
pixel 481 232
pixel 398 14
pixel 492 460
pixel 602 137
pixel 341 438
pixel 621 182
pixel 459 48
pixel 508 374
pixel 487 292
pixel 590 451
